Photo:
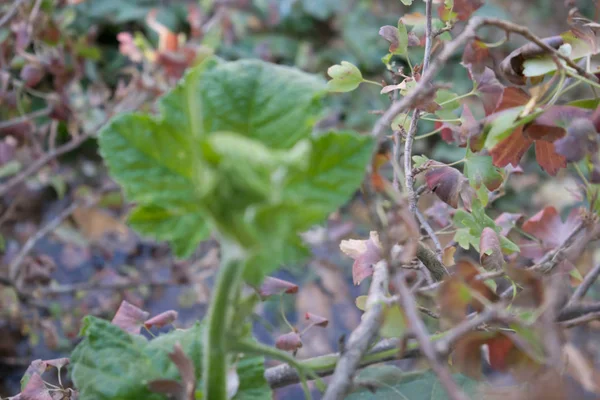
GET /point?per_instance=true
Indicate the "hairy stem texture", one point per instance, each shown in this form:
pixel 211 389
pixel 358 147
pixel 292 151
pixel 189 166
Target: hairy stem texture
pixel 215 362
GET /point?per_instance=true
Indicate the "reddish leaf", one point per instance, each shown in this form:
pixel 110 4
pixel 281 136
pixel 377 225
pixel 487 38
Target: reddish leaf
pixel 532 293
pixel 390 33
pixel 128 48
pixel 175 63
pixel 404 231
pixel 413 39
pixel 35 389
pixel 186 370
pixel 489 89
pixel 511 149
pixel 32 74
pixel 490 254
pixel 548 158
pixel 512 66
pixel 130 318
pixel 58 362
pixel 469 131
pixel 547 226
pixel 499 348
pixel 469 273
pixel 456 293
pixel 380 159
pixel 453 297
pixel 38 367
pixel 507 352
pixel 273 286
pixel 552 124
pixel 289 342
pixel 466 356
pixel 475 55
pixel 170 387
pixel 581 140
pixel 461 10
pixel 506 222
pixel 365 253
pixel 316 319
pixel 167 40
pixel 512 97
pixel 595 118
pixel 162 319
pixel 449 185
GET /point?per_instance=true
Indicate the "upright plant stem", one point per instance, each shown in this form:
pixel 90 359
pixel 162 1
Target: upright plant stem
pixel 228 283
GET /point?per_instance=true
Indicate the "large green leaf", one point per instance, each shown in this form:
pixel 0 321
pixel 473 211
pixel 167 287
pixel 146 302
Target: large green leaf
pixel 335 170
pixel 182 228
pixel 112 364
pixel 233 151
pixel 393 383
pixel 275 105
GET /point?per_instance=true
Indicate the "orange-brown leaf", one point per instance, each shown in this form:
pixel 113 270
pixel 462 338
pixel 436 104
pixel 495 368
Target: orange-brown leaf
pixel 548 158
pixel 511 149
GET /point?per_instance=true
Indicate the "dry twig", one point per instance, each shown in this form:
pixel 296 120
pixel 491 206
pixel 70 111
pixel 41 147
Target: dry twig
pixel 409 305
pixel 584 286
pixel 361 337
pixel 41 162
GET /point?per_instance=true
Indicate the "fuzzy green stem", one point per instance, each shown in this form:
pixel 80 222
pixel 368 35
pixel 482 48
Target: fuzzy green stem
pixel 215 362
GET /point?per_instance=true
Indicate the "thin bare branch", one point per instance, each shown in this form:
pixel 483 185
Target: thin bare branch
pixel 555 257
pixel 11 13
pixel 584 286
pixel 361 337
pixel 444 344
pixel 408 171
pixel 425 225
pixel 27 117
pixel 584 319
pixel 409 305
pixel 41 162
pixel 13 269
pixel 527 34
pixel 577 310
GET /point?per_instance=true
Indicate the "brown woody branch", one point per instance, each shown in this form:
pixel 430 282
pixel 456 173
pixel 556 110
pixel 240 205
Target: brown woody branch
pixel 584 286
pixel 418 328
pixel 361 337
pixel 284 375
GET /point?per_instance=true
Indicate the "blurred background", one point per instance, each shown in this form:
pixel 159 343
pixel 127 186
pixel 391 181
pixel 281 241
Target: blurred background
pixel 68 66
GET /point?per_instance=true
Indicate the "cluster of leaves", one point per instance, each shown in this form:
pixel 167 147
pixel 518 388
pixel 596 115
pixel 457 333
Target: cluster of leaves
pixel 233 152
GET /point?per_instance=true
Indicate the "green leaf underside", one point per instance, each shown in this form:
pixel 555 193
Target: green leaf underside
pixel 233 151
pixel 393 383
pixel 112 364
